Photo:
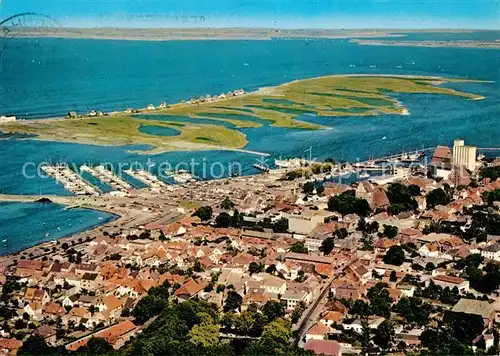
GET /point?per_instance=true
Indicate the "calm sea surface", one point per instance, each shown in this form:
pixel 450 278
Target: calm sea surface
pixel 49 77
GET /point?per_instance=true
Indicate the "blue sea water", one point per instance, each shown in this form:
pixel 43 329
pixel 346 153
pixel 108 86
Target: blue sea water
pixel 49 77
pixel 24 225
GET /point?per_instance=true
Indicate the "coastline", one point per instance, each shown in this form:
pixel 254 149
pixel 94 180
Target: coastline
pixel 196 34
pixel 431 44
pixel 120 215
pixel 113 217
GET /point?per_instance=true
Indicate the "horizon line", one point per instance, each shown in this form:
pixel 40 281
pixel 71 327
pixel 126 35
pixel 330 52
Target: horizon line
pixel 270 28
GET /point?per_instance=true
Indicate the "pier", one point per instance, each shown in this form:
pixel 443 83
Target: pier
pixel 147 178
pixel 70 180
pixel 108 177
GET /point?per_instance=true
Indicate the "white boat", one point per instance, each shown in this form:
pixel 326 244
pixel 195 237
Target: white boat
pixel 261 167
pixel 289 163
pixel 364 175
pixel 182 176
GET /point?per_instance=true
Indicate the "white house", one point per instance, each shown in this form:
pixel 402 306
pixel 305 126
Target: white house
pixel 491 252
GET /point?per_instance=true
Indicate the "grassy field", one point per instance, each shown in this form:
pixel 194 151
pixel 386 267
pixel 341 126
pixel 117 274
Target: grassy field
pixel 124 130
pixel 280 106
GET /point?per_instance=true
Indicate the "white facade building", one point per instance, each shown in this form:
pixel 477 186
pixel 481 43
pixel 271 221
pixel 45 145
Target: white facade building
pixel 464 155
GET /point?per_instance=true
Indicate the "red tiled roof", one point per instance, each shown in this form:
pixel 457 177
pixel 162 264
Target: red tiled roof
pixel 449 279
pixel 10 344
pixel 190 288
pixel 323 347
pixel 441 152
pixel 318 329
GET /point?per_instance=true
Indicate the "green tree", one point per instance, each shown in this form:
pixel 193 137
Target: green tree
pixel 148 307
pixel 464 326
pixel 308 188
pixel 223 220
pixel 271 269
pixel 273 310
pixel 360 308
pixel 372 227
pixel 299 247
pixel 255 267
pixel 437 197
pixel 341 233
pixel 278 330
pixel 384 335
pixel 492 173
pixel 395 256
pixel 36 346
pixel 390 231
pixel 365 335
pixel 414 190
pixel 297 312
pixel 10 286
pixel 204 213
pixel 227 204
pixel 347 203
pixel 233 301
pixel 380 300
pixel 414 310
pixel 400 199
pixel 96 346
pixel 280 226
pixel 205 334
pixel 327 245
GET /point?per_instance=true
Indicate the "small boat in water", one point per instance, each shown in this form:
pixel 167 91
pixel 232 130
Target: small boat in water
pixel 364 175
pixel 261 167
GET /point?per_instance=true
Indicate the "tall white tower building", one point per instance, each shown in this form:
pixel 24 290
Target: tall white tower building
pixel 464 155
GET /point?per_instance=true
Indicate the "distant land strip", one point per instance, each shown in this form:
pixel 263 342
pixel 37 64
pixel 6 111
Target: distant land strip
pixel 167 34
pixel 214 122
pixel 454 44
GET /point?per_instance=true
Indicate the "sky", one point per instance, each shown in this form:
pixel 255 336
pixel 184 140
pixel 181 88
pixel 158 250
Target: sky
pixel 328 14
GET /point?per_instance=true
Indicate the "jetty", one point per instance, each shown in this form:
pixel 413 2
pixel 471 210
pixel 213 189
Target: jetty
pixel 152 181
pixel 108 177
pixel 70 180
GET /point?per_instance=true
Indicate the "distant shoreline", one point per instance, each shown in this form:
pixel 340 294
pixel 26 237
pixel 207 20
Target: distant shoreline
pixel 172 34
pixel 431 44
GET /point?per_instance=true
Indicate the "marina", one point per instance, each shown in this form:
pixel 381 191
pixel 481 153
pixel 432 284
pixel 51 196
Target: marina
pixel 70 180
pixel 181 176
pixel 147 178
pixel 121 187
